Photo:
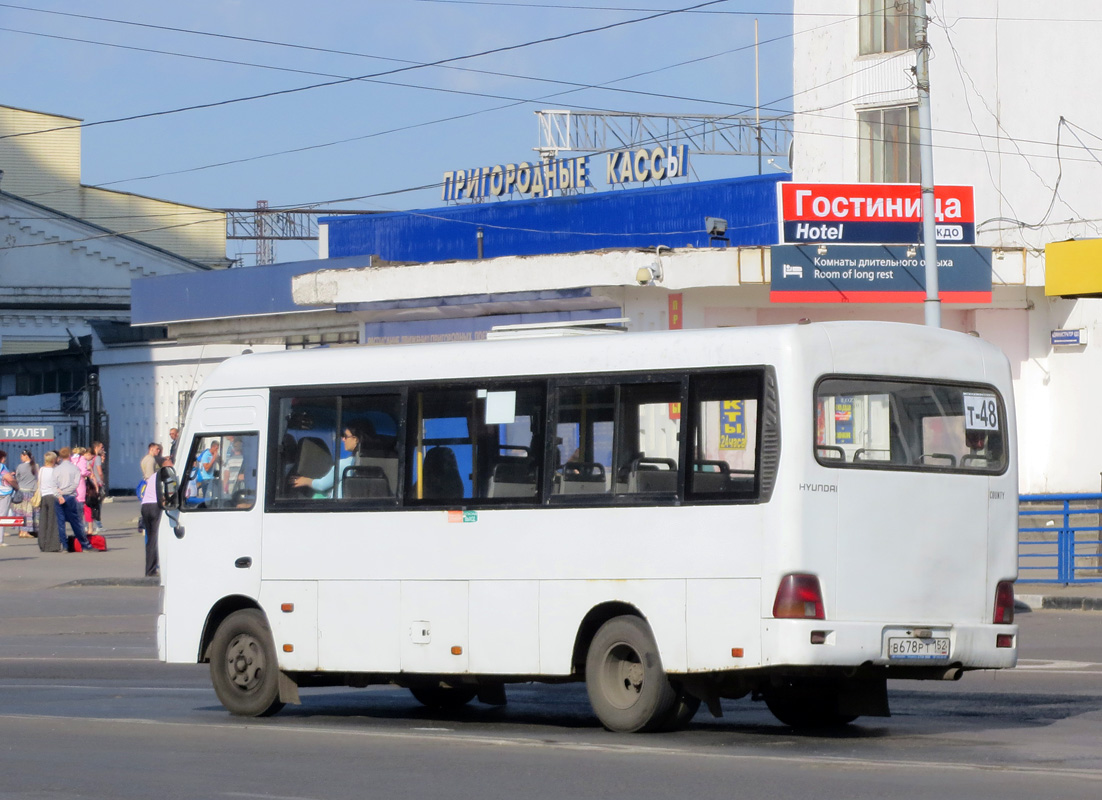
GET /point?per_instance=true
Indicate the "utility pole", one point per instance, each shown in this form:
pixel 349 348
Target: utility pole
pixel 757 95
pixel 932 305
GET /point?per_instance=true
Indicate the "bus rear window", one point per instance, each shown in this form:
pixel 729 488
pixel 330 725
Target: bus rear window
pixel 875 423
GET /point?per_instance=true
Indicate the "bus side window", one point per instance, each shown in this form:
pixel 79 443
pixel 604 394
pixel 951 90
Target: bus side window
pixel 584 429
pixel 368 457
pixel 724 446
pixel 223 472
pixel 476 443
pixel 307 443
pixel 442 455
pixel 648 420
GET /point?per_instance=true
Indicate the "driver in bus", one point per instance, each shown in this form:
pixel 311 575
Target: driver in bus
pixel 354 434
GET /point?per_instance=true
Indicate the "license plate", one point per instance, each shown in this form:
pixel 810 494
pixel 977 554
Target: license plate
pixel 903 647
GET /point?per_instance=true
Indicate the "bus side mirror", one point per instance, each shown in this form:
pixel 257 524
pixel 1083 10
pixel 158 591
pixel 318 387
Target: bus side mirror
pixel 168 489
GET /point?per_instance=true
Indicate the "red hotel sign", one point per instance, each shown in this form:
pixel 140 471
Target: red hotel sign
pixel 872 213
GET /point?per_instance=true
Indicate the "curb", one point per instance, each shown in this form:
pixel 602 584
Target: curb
pixel 1035 601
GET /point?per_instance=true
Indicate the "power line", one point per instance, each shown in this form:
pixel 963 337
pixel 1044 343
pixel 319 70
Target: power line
pixel 625 9
pixel 341 81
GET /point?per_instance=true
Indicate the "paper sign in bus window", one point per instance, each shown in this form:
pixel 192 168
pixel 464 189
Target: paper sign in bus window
pixel 981 412
pixel 732 425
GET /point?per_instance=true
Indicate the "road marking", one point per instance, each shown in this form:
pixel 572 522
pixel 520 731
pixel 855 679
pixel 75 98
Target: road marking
pixel 1046 665
pixel 642 749
pixel 105 687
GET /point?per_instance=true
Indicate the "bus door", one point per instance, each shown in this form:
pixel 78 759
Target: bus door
pixel 214 551
pixel 912 463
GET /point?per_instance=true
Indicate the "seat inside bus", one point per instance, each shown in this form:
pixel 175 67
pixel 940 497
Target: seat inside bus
pixel 314 457
pixel 512 477
pixel 364 481
pixel 441 475
pixel 583 477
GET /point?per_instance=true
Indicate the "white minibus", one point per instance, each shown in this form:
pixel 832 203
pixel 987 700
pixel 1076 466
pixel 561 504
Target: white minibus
pixel 795 513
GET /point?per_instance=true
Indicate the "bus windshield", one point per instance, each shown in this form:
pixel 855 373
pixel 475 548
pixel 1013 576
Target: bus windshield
pixel 875 423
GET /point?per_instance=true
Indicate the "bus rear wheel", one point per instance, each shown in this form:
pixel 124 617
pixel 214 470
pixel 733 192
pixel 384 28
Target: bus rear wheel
pixel 810 708
pixel 627 687
pixel 443 697
pixel 243 666
pixel 681 713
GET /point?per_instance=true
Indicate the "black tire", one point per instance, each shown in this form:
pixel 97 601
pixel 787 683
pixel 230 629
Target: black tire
pixel 627 687
pixel 807 708
pixel 681 714
pixel 443 697
pixel 243 666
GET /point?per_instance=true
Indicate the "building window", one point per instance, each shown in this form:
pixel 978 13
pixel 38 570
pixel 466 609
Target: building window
pixel 887 26
pixel 888 148
pixel 305 342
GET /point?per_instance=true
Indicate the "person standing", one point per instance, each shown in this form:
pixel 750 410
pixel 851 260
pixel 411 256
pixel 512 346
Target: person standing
pixel 93 493
pixel 149 460
pixel 99 470
pixel 50 538
pixel 7 489
pixel 174 435
pixel 68 479
pixel 151 519
pixel 208 470
pixel 26 477
pixel 148 466
pixel 85 468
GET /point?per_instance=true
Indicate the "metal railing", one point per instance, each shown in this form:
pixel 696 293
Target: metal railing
pixel 1060 538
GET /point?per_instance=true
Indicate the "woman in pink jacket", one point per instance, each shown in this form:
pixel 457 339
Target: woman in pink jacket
pixel 82 486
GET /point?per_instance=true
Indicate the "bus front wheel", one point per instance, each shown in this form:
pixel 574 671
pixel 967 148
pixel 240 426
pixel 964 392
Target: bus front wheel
pixel 243 665
pixel 627 687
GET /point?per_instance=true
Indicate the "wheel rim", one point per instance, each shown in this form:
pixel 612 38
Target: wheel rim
pixel 622 676
pixel 245 662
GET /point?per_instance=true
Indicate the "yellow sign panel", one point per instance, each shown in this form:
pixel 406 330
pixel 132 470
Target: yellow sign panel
pixel 1073 268
pixel 732 426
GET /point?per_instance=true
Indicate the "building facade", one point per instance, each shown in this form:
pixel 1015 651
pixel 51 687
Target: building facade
pixel 68 255
pixel 1009 119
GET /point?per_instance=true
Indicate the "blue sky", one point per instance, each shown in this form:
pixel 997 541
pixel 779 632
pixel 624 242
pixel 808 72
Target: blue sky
pixel 400 132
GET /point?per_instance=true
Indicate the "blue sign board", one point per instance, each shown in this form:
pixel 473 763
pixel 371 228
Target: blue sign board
pixel 1068 338
pixel 870 274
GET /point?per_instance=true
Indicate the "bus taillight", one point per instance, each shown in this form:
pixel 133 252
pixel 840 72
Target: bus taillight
pixel 799 597
pixel 1004 603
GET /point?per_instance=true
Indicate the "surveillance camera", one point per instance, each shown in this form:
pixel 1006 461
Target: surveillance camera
pixel 648 275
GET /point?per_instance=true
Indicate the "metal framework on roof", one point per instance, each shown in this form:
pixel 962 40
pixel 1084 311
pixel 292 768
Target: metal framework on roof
pixel 708 134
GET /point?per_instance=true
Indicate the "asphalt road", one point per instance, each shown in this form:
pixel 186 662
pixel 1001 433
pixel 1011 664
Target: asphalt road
pixel 91 714
pixel 87 712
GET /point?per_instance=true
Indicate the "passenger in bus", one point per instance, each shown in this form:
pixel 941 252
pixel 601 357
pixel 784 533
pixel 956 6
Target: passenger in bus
pixel 441 475
pixel 354 435
pixel 208 470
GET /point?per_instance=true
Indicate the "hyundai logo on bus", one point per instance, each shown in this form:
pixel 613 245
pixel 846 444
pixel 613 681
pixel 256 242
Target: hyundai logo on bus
pixel 864 274
pixel 871 213
pixel 26 433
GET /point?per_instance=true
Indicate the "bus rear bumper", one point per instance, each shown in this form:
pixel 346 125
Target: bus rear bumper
pixel 910 649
